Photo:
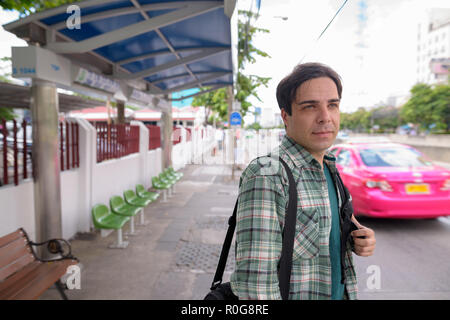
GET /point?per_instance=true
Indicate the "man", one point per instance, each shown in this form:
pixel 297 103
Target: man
pixel 309 100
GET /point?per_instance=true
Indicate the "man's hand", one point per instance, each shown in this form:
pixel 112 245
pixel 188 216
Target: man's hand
pixel 364 247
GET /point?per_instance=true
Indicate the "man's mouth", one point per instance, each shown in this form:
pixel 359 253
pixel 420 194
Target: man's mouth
pixel 323 133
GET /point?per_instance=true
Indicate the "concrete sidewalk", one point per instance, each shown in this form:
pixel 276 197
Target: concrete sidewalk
pixel 174 256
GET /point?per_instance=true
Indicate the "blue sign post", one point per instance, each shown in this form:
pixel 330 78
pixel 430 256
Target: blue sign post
pixel 235 119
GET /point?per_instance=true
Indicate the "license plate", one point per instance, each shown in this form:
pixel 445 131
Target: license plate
pixel 417 188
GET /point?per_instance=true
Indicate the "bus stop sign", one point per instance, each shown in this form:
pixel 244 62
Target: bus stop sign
pixel 235 119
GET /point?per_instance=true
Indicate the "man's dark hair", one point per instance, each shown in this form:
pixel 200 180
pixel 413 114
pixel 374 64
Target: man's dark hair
pixel 287 87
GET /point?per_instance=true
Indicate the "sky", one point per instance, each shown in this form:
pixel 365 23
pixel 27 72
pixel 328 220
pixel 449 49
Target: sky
pixel 388 64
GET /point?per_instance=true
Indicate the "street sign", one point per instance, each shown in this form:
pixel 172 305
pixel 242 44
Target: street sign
pixel 236 105
pixel 235 119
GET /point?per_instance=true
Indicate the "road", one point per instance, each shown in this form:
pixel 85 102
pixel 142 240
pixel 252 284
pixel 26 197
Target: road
pixel 412 257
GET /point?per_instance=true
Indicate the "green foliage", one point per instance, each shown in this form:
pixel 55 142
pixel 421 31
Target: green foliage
pixel 246 85
pixel 428 106
pixel 7 114
pixel 254 126
pixel 386 118
pixel 358 121
pixel 27 7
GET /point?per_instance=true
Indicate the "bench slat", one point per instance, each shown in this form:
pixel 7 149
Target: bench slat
pixel 8 251
pixel 47 275
pixel 12 287
pixel 19 260
pixel 6 285
pixel 11 237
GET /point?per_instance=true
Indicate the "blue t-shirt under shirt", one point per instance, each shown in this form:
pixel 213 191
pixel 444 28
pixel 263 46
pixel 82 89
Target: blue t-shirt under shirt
pixel 337 288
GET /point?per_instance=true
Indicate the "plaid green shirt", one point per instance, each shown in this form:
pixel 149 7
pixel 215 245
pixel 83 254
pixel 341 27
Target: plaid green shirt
pixel 263 199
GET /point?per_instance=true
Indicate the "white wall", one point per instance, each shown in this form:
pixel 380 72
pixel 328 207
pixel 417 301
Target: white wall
pixel 17 208
pixel 91 183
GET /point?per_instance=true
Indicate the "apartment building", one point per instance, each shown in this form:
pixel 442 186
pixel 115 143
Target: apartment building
pixel 433 47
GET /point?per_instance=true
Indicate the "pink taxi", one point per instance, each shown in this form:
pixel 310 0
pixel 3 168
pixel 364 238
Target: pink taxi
pixel 391 180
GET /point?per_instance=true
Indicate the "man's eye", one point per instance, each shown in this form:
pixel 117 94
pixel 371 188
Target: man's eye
pixel 334 105
pixel 309 106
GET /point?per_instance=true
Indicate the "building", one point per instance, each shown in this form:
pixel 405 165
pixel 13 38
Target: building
pixel 433 47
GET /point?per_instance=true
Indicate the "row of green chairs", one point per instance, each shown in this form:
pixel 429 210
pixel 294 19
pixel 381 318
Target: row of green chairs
pixel 166 180
pixel 123 210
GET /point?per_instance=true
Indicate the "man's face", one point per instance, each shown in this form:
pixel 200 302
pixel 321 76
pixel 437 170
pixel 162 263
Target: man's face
pixel 315 118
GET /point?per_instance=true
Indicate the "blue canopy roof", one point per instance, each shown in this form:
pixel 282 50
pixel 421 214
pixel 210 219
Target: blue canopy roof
pixel 168 45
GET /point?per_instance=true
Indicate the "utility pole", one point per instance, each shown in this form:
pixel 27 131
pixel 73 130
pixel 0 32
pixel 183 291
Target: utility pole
pixel 231 147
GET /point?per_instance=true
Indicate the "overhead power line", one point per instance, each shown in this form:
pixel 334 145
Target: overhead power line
pixel 326 28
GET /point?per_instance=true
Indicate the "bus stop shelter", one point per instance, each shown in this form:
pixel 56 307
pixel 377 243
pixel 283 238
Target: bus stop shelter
pixel 130 51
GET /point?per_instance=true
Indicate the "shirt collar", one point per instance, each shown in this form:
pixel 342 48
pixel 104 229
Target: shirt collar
pixel 302 157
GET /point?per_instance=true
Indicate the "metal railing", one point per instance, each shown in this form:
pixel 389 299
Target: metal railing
pixel 116 140
pixel 69 149
pixel 176 136
pixel 154 137
pixel 16 149
pixel 15 152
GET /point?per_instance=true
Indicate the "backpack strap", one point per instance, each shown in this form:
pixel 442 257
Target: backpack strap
pixel 225 249
pixel 284 276
pixel 288 234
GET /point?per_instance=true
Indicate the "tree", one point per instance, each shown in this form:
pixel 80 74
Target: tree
pixel 7 114
pixel 356 121
pixel 26 7
pixel 386 118
pixel 246 85
pixel 428 106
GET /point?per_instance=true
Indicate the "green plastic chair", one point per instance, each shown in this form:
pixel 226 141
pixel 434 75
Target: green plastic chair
pixel 141 192
pixel 167 174
pixel 178 174
pixel 120 207
pixel 165 179
pixel 104 219
pixel 134 200
pixel 158 184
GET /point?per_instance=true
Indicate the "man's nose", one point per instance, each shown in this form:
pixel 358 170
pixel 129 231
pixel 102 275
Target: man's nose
pixel 324 114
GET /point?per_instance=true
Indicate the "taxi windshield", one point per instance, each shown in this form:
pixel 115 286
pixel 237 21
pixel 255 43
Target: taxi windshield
pixel 393 157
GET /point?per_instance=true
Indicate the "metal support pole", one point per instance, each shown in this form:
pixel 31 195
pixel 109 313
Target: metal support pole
pixel 142 223
pixel 46 170
pixel 120 243
pixel 167 128
pixel 120 111
pixel 132 231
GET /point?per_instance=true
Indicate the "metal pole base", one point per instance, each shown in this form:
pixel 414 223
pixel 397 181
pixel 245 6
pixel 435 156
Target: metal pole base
pixel 120 244
pixel 164 196
pixel 142 220
pixel 132 232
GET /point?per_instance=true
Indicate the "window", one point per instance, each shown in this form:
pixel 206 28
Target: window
pixel 344 157
pixel 393 157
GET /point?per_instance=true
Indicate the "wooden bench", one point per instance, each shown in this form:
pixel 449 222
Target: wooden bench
pixel 23 275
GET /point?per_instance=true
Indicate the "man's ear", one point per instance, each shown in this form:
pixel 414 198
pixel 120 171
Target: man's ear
pixel 284 116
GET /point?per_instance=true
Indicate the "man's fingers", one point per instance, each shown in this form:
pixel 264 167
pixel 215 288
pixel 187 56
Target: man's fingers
pixel 364 246
pixel 364 251
pixel 364 242
pixel 364 232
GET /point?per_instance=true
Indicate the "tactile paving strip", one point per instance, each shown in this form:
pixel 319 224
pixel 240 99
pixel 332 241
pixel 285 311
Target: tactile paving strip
pixel 202 257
